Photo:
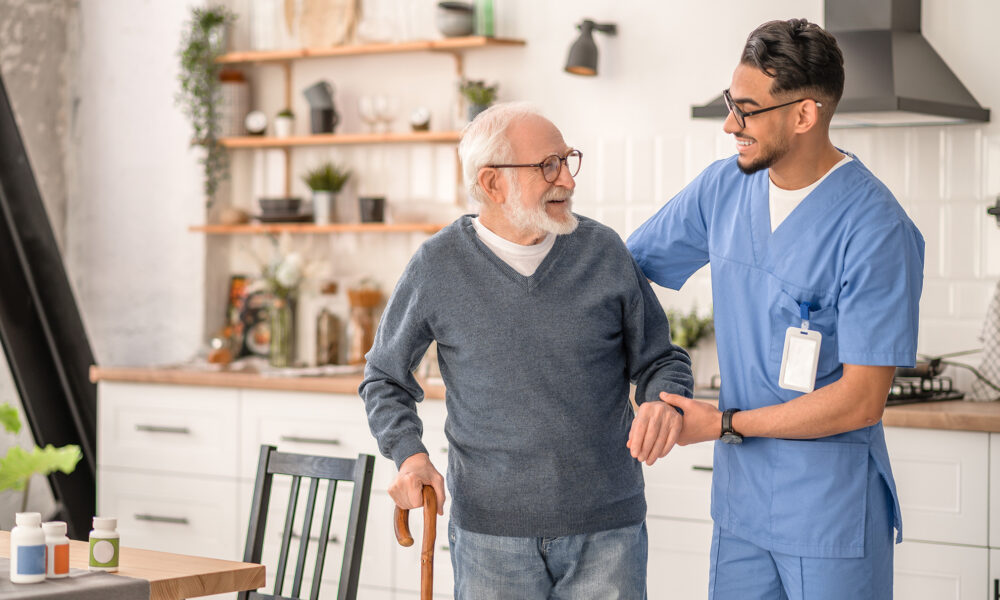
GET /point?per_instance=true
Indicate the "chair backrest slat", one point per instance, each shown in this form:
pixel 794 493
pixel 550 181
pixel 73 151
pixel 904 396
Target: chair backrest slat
pixel 286 535
pixel 304 539
pixel 324 534
pixel 358 471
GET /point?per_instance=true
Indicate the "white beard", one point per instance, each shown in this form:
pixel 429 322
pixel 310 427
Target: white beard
pixel 535 219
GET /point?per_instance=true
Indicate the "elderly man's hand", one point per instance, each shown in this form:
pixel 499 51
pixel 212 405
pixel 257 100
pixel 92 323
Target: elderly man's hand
pixel 654 431
pixel 416 472
pixel 702 420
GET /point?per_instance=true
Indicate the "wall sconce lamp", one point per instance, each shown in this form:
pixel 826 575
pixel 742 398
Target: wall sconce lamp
pixel 583 53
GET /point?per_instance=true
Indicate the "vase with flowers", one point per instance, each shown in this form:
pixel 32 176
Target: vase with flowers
pixel 283 275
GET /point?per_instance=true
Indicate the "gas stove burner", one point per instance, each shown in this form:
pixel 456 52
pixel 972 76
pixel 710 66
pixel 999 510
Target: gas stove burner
pixel 908 390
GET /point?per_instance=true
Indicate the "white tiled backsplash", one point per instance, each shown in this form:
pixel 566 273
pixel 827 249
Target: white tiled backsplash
pixel 945 178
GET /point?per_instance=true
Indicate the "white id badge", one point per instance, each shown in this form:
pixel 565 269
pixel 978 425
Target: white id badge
pixel 799 359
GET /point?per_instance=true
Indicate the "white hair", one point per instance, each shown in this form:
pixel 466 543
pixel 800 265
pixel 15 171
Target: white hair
pixel 484 142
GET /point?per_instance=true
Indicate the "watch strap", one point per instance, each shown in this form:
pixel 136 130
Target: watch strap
pixel 727 421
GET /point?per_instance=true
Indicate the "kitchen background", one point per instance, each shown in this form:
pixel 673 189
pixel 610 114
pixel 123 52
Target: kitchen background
pixel 93 84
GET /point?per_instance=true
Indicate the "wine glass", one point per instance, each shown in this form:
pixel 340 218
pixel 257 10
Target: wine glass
pixel 368 113
pixel 386 107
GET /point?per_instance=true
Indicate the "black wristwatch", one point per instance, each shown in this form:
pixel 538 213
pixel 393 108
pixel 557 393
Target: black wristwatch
pixel 729 435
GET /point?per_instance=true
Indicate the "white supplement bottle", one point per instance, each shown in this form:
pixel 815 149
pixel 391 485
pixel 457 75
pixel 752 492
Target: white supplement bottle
pixel 27 549
pixel 104 545
pixel 56 550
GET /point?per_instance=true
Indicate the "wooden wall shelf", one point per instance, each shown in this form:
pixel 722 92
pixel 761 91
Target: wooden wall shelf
pixel 258 228
pixel 335 139
pixel 443 45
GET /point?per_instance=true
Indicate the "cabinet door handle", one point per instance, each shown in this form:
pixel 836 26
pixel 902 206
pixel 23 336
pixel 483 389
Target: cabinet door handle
pixel 160 519
pixel 333 539
pixel 310 440
pixel 700 468
pixel 163 429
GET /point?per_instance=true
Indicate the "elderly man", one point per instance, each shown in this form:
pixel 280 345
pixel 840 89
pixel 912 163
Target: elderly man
pixel 542 319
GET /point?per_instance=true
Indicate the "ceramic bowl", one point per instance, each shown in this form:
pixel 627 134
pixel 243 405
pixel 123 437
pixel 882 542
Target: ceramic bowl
pixel 279 206
pixel 454 19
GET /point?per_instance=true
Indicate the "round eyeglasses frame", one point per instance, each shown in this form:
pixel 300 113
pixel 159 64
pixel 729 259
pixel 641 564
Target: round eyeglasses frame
pixel 741 115
pixel 552 165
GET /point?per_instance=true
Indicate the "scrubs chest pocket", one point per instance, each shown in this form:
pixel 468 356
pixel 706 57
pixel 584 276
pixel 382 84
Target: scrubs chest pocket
pixel 820 497
pixel 785 314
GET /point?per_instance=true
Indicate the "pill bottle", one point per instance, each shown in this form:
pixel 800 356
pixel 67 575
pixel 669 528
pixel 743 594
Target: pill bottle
pixel 27 549
pixel 104 544
pixel 56 550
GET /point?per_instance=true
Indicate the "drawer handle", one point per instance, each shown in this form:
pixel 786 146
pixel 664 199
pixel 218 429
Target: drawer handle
pixel 163 429
pixel 701 468
pixel 996 589
pixel 333 539
pixel 298 439
pixel 159 519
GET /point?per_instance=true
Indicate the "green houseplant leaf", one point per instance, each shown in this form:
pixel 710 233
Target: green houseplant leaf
pixel 19 465
pixel 687 329
pixel 8 416
pixel 327 177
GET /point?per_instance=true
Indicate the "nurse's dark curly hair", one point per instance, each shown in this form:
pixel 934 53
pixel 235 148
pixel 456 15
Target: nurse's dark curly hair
pixel 800 56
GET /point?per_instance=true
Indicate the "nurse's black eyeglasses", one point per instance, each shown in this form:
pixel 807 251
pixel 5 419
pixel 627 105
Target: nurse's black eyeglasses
pixel 552 165
pixel 741 115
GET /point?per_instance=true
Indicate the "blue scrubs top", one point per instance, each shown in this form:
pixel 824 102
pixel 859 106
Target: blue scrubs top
pixel 851 252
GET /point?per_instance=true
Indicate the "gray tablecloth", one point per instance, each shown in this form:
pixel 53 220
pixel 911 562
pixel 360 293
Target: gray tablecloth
pixel 80 585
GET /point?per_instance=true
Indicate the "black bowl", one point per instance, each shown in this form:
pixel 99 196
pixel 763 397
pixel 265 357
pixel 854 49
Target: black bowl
pixel 279 206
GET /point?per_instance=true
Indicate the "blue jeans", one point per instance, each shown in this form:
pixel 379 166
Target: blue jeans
pixel 606 565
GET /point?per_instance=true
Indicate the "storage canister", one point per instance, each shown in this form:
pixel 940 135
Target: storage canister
pixel 27 549
pixel 56 550
pixel 104 544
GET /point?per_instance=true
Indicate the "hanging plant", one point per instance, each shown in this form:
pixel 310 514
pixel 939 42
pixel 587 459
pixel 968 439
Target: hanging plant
pixel 202 43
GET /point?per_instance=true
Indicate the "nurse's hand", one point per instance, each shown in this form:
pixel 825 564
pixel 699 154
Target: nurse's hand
pixel 654 431
pixel 702 420
pixel 416 472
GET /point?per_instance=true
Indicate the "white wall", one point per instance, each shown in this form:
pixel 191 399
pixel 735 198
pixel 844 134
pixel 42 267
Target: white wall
pixel 141 274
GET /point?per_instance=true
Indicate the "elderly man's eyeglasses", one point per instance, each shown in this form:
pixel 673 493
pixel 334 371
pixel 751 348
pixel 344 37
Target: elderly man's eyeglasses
pixel 552 165
pixel 741 115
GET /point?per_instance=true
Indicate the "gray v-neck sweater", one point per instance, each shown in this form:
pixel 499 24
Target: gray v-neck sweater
pixel 537 371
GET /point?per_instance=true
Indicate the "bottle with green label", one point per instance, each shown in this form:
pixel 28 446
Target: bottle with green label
pixel 104 545
pixel 484 18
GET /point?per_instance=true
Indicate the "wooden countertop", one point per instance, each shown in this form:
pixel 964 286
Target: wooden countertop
pixel 343 384
pixel 954 415
pixel 170 576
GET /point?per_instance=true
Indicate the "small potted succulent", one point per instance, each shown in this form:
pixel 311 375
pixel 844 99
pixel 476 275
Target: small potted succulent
pixel 325 181
pixel 479 95
pixel 284 123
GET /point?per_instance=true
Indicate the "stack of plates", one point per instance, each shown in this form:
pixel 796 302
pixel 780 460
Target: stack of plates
pixel 281 210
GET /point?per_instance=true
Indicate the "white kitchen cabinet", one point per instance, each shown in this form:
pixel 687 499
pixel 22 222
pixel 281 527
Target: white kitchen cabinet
pixel 993 585
pixel 942 480
pixel 679 485
pixel 926 571
pixel 995 493
pixel 679 553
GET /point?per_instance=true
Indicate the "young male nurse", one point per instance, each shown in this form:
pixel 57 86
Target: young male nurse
pixel 816 279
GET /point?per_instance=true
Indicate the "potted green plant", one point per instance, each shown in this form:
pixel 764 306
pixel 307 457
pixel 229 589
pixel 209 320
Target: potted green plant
pixel 479 95
pixel 19 465
pixel 284 123
pixel 325 181
pixel 687 329
pixel 202 42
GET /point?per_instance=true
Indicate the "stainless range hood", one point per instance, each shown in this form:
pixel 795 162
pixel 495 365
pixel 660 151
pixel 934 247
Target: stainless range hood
pixel 893 75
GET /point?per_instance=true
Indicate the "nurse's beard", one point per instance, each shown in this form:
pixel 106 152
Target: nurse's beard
pixel 768 156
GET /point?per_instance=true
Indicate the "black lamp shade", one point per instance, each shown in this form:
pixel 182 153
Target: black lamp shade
pixel 582 58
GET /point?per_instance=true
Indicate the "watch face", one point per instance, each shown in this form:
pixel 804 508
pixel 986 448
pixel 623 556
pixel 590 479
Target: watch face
pixel 255 122
pixel 731 438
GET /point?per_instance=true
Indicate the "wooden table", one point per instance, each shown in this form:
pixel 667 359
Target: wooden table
pixel 170 576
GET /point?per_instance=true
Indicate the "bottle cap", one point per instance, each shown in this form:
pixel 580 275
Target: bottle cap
pixel 28 519
pixel 105 522
pixel 54 528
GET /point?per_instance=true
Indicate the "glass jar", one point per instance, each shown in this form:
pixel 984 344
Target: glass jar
pixel 282 345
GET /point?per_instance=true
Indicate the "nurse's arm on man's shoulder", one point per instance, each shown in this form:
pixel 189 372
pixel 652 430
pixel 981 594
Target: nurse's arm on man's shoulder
pixel 854 401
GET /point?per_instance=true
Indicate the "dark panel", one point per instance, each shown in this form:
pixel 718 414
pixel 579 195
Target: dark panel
pixel 41 330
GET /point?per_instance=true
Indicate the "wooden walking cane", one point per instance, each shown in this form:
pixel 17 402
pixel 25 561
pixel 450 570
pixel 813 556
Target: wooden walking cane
pixel 402 528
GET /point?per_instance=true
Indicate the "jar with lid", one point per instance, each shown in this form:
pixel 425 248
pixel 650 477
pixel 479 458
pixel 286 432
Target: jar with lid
pixel 56 550
pixel 27 549
pixel 104 545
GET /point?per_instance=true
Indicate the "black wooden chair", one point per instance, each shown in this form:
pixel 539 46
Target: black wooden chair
pixel 315 469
